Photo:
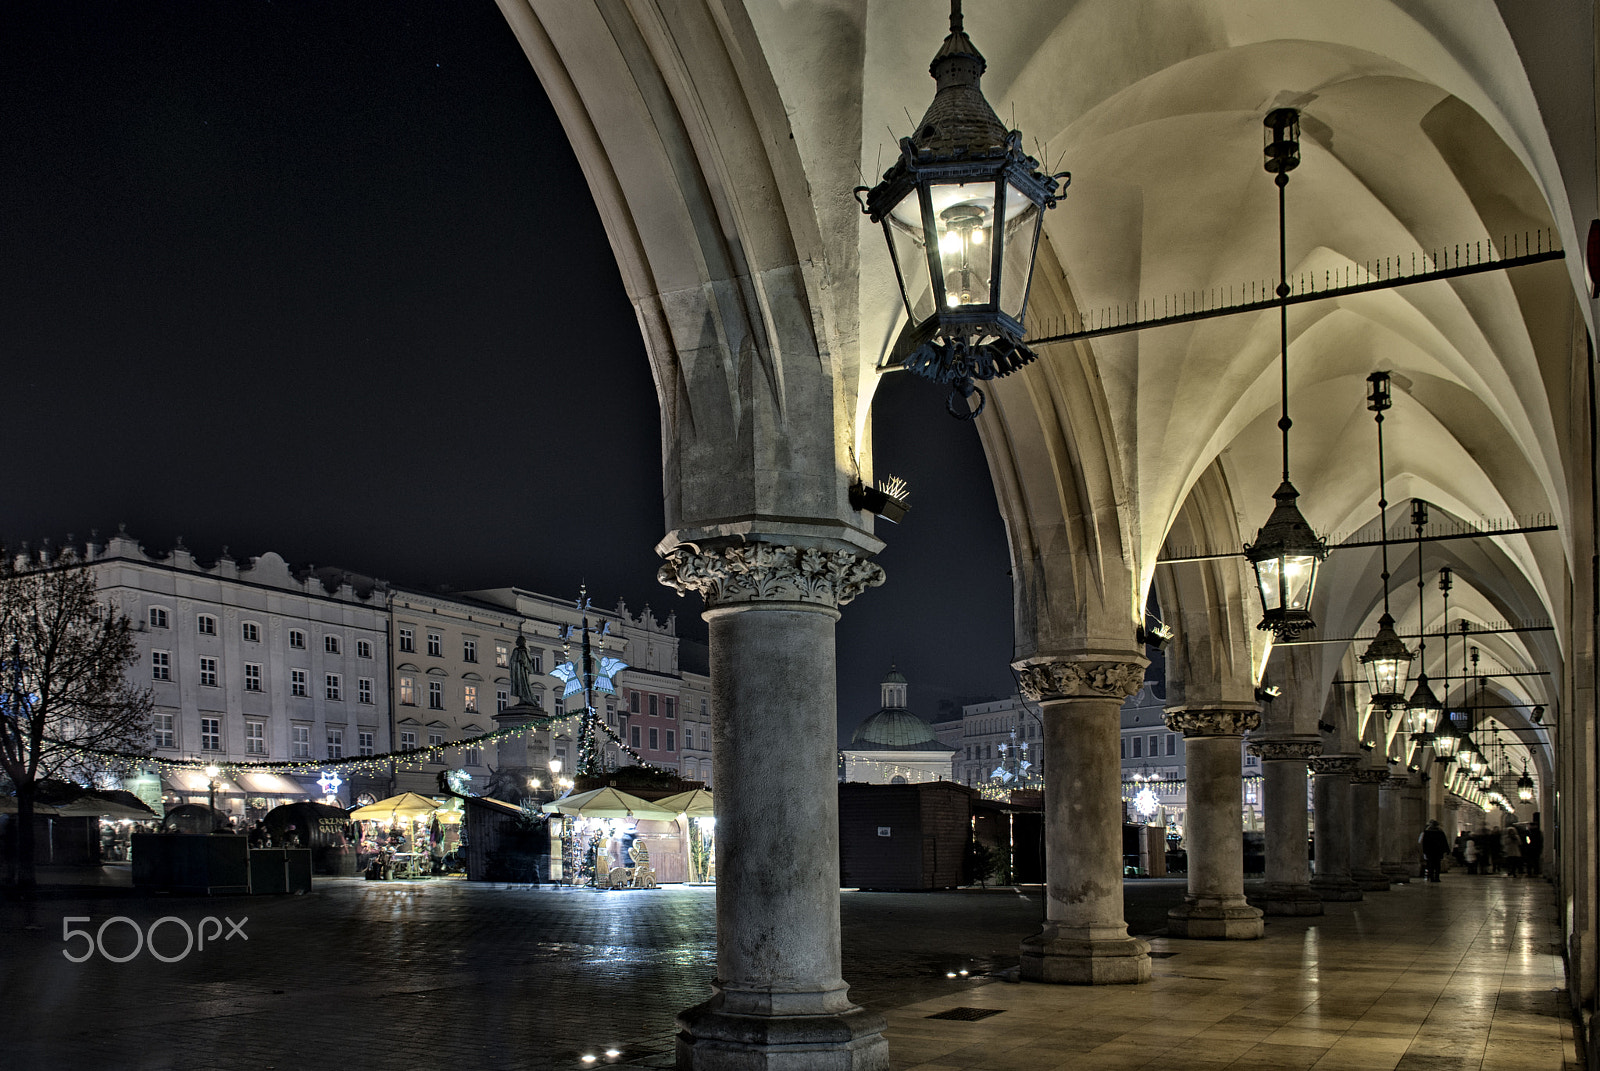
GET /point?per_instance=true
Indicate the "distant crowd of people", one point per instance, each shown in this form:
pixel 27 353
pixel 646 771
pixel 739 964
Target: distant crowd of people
pixel 1513 850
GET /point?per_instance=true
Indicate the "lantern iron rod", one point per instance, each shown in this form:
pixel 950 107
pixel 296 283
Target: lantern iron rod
pixel 1372 543
pixel 1281 179
pixel 1419 520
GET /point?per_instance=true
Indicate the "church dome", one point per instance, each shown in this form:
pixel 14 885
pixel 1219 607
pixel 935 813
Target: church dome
pixel 895 729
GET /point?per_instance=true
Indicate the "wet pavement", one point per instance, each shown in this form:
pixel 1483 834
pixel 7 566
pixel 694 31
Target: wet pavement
pixel 379 975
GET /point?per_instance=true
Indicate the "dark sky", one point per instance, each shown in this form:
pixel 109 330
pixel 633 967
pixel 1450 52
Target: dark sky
pixel 325 279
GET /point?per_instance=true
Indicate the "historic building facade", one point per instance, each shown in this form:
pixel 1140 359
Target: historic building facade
pixel 893 746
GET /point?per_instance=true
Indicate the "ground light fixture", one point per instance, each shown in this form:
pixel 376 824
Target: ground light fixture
pixel 961 210
pixel 1286 552
pixel 1387 661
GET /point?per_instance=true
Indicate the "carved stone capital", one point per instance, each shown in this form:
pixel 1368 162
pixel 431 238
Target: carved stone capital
pixel 768 572
pixel 1369 776
pixel 1333 764
pixel 1201 721
pixel 1397 782
pixel 1081 680
pixel 1286 750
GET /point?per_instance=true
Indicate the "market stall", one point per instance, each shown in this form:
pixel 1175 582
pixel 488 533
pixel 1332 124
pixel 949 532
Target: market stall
pixel 694 809
pixel 615 840
pixel 408 836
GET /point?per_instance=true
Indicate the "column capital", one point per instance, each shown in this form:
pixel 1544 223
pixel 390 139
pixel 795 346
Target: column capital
pixel 1333 764
pixel 1397 782
pixel 1369 775
pixel 1213 721
pixel 761 572
pixel 1081 679
pixel 1286 750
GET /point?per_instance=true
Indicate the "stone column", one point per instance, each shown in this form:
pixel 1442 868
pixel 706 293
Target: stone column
pixel 1085 940
pixel 1413 817
pixel 1399 840
pixel 1214 906
pixel 778 1001
pixel 1283 774
pixel 1366 832
pixel 1331 800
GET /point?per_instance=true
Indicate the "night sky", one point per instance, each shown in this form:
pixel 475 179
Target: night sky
pixel 325 279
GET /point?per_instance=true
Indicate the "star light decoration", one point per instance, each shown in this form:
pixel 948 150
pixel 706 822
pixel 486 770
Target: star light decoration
pixel 1146 802
pixel 329 782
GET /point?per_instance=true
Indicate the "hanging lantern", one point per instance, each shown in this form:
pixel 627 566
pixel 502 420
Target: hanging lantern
pixel 1422 709
pixel 1445 739
pixel 962 210
pixel 1285 557
pixel 1525 786
pixel 1388 666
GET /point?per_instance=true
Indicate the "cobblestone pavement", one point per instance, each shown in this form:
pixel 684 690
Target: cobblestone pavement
pixel 364 976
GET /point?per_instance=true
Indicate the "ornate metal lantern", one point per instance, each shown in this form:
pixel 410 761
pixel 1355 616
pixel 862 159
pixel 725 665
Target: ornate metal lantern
pixel 962 210
pixel 1525 785
pixel 1388 666
pixel 1445 739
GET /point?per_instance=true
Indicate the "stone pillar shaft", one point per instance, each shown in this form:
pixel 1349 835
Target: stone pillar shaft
pixel 1215 906
pixel 1288 885
pixel 1366 833
pixel 1331 801
pixel 1084 940
pixel 1399 840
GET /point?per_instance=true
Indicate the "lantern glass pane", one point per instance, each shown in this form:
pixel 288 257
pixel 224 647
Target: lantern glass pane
pixel 1387 676
pixel 1267 574
pixel 963 213
pixel 1023 220
pixel 911 258
pixel 1299 573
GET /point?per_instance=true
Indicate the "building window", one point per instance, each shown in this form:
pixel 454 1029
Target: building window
pixel 435 695
pixel 330 644
pixel 363 648
pixel 158 617
pixel 1138 748
pixel 297 639
pixel 210 734
pixel 364 743
pixel 335 743
pixel 408 740
pixel 208 672
pixel 408 641
pixel 655 704
pixel 502 700
pixel 635 737
pixel 633 702
pixel 1155 746
pixel 672 707
pixel 163 731
pixel 1172 743
pixel 537 658
pixel 435 645
pixel 255 738
pixel 408 691
pixel 473 757
pixel 302 741
pixel 252 677
pixel 436 740
pixel 611 711
pixel 206 625
pixel 160 666
pixel 250 632
pixel 688 738
pixel 655 739
pixel 364 689
pixel 297 683
pixel 502 655
pixel 469 698
pixel 332 686
pixel 703 708
pixel 1249 760
pixel 561 705
pixel 671 743
pixel 469 650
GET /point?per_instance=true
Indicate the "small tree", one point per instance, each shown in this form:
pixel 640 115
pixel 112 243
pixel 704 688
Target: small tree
pixel 63 686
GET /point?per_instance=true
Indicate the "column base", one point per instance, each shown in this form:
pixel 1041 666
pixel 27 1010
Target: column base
pixel 1397 873
pixel 1288 901
pixel 712 1038
pixel 1215 919
pixel 1370 880
pixel 1100 955
pixel 1336 890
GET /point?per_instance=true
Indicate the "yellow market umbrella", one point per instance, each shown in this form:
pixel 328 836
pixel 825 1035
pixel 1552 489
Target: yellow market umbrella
pixel 695 803
pixel 608 803
pixel 405 805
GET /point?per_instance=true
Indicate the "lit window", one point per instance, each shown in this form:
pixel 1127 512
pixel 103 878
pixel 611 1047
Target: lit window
pixel 469 698
pixel 435 645
pixel 210 734
pixel 330 644
pixel 206 625
pixel 252 677
pixel 408 691
pixel 364 689
pixel 408 641
pixel 502 655
pixel 363 648
pixel 332 686
pixel 158 617
pixel 297 683
pixel 435 695
pixel 335 743
pixel 255 738
pixel 302 741
pixel 502 700
pixel 250 632
pixel 408 740
pixel 160 666
pixel 208 672
pixel 163 731
pixel 469 650
pixel 364 743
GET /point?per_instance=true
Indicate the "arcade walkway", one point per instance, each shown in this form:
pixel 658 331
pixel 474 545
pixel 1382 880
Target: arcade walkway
pixel 1463 974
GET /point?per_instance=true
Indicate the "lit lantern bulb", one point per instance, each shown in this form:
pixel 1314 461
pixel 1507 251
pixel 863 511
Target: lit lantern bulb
pixel 950 244
pixel 977 236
